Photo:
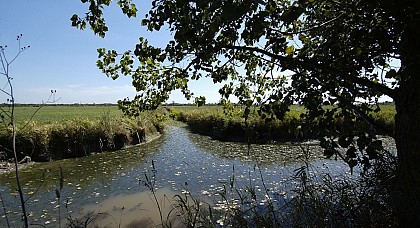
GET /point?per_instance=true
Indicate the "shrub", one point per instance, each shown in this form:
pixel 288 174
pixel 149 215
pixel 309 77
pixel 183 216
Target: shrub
pixel 80 136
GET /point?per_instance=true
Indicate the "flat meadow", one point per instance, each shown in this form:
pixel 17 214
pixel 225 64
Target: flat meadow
pixel 61 113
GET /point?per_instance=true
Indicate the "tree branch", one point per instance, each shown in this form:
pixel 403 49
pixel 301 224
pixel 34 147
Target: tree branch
pixel 5 92
pixel 39 108
pixel 363 115
pixel 307 29
pixel 362 81
pixel 255 49
pixel 376 86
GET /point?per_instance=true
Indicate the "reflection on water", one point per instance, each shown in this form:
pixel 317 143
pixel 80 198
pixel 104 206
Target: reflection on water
pixel 134 210
pixel 183 162
pixel 263 154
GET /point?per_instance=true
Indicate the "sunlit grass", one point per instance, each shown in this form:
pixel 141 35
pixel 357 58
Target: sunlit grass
pixel 58 113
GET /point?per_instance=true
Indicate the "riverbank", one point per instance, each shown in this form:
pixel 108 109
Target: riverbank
pixel 230 125
pixel 8 166
pixel 76 135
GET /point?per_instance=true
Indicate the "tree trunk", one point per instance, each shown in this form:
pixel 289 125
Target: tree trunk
pixel 407 129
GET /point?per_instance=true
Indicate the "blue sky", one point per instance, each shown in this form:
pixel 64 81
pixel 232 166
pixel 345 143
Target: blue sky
pixel 63 58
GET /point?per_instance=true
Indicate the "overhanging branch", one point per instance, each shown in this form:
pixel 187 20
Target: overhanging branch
pixel 315 27
pixel 362 81
pixel 373 85
pixel 255 49
pixel 363 115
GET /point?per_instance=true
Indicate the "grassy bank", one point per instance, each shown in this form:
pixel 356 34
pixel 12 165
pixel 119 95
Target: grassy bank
pixel 229 124
pixel 57 132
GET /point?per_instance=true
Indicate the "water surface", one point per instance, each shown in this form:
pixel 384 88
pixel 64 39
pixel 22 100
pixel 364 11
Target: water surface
pixel 111 186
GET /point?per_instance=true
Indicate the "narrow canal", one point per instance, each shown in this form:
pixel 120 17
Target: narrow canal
pixel 110 187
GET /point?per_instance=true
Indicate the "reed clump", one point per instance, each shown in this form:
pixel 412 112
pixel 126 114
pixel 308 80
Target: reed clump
pixel 233 127
pixel 214 121
pixel 80 136
pixel 315 200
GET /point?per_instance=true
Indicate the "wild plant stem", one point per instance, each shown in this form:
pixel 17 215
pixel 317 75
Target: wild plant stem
pixel 22 199
pixel 5 65
pixel 151 184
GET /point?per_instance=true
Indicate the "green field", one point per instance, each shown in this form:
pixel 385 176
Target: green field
pixel 60 113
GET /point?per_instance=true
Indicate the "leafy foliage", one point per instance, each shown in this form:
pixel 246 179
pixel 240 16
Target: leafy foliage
pixel 94 16
pixel 336 58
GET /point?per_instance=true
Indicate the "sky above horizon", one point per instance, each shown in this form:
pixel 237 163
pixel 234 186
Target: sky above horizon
pixel 63 58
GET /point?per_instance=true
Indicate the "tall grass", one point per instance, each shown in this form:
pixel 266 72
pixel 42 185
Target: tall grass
pixel 230 125
pixel 216 122
pixel 80 135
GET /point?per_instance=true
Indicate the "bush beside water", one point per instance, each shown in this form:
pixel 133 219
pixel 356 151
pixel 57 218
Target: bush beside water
pixel 216 123
pixel 80 136
pixel 231 126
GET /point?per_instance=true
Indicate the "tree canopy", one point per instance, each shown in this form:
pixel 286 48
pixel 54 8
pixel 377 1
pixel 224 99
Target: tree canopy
pixel 336 58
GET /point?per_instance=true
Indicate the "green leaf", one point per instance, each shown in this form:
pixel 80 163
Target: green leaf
pixel 290 49
pixel 200 101
pixel 303 38
pixel 358 51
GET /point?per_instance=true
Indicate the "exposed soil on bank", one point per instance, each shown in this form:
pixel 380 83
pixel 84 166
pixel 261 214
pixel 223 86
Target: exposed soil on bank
pixel 7 167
